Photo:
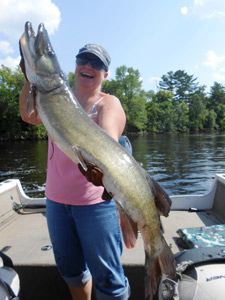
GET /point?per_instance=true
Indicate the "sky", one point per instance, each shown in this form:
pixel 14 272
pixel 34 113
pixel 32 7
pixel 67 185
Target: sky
pixel 153 37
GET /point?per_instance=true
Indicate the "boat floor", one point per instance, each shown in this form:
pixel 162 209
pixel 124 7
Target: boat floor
pixel 23 236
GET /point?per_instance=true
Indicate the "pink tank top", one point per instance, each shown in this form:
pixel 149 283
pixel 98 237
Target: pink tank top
pixel 65 183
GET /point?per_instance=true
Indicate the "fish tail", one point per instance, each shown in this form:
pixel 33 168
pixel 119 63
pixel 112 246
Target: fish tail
pixel 166 260
pixel 152 276
pixel 155 267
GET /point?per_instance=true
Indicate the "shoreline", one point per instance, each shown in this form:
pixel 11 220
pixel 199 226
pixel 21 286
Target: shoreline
pixel 144 133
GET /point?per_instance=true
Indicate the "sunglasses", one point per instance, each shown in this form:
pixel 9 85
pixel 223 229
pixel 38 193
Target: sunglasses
pixel 95 63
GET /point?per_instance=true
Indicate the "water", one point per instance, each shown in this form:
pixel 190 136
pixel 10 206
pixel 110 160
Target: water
pixel 26 161
pixel 182 164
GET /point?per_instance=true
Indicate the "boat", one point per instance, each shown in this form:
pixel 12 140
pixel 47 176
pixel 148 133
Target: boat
pixel 194 230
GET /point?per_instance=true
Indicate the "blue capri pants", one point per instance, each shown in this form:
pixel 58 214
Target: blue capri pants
pixel 87 242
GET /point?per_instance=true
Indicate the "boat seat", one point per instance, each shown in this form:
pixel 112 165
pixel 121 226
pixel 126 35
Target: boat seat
pixel 198 237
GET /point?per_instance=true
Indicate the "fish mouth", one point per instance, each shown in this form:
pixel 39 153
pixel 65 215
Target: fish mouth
pixel 83 74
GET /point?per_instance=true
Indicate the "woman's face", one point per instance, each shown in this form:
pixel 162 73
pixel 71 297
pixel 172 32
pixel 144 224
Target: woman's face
pixel 87 76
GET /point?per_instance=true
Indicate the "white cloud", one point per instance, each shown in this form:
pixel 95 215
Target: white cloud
pixel 206 8
pixel 14 14
pixel 5 47
pixel 216 64
pixel 219 77
pixel 184 10
pixel 154 79
pixel 10 62
pixel 213 61
pixel 209 8
pixel 196 67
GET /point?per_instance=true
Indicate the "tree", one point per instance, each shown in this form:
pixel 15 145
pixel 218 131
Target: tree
pixel 181 119
pixel 217 95
pixel 211 120
pixel 11 125
pixel 180 84
pixel 137 115
pixel 221 116
pixel 197 113
pixel 152 108
pixel 71 80
pixel 160 112
pixel 216 103
pixel 10 87
pixel 127 87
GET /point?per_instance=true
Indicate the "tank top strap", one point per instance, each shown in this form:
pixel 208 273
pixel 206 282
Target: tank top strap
pixel 95 104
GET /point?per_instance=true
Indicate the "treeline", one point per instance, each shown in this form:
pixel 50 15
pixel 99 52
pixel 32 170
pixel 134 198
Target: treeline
pixel 180 104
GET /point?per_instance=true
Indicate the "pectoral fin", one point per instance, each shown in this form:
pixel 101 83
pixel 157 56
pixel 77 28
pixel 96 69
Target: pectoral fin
pixel 128 227
pixel 31 101
pixel 79 158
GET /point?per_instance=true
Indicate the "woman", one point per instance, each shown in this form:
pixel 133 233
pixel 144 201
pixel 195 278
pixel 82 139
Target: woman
pixel 83 227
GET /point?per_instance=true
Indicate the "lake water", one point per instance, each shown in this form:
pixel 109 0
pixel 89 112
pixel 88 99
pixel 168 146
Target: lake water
pixel 181 163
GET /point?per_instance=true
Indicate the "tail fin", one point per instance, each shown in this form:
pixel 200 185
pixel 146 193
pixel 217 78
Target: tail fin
pixel 155 267
pixel 152 276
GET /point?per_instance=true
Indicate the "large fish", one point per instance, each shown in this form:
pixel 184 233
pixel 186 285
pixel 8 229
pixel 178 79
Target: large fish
pixel 80 138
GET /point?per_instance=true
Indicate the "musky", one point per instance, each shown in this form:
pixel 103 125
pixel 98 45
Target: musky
pixel 154 37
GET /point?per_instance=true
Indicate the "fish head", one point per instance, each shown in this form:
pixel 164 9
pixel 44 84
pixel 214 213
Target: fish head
pixel 41 64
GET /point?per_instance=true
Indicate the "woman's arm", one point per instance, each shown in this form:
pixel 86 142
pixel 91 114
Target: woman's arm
pixel 111 116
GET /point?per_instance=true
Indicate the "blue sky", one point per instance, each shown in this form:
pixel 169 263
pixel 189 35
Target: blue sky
pixel 154 37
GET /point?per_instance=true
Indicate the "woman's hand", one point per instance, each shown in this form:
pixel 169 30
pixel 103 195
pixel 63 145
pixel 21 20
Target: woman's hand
pixel 94 175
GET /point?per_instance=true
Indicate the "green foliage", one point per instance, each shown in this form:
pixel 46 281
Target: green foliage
pixel 10 86
pixel 127 87
pixel 216 102
pixel 211 120
pixel 160 112
pixel 181 118
pixel 11 125
pixel 180 84
pixel 137 114
pixel 71 80
pixel 197 113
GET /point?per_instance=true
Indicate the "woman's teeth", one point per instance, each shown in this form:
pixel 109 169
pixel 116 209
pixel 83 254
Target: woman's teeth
pixel 87 75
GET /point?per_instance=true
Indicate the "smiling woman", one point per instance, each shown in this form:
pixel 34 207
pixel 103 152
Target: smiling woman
pixel 92 65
